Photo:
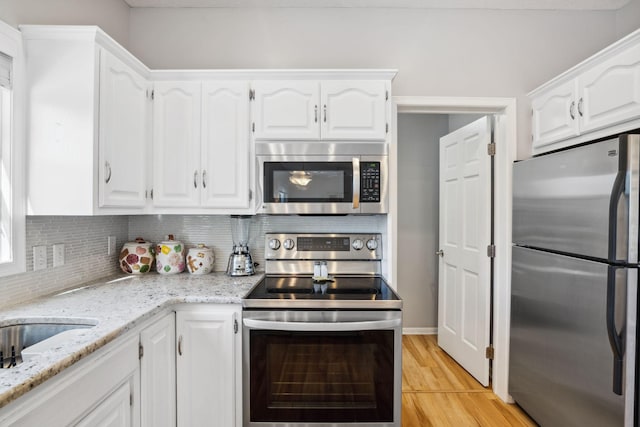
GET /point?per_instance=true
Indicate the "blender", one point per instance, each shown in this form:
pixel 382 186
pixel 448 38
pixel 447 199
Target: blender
pixel 240 262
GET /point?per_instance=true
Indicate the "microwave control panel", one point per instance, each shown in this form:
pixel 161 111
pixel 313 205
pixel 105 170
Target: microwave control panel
pixel 370 182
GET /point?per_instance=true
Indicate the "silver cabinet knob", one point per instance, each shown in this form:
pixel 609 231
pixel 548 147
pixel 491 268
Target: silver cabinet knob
pixel 357 244
pixel 274 244
pixel 289 244
pixel 440 252
pixel 372 244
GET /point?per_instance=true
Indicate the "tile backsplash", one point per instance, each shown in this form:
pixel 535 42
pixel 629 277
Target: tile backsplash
pixel 85 240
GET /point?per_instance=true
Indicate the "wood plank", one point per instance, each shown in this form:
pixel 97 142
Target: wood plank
pixel 438 392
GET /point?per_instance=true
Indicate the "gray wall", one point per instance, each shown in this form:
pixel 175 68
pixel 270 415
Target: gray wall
pixel 111 15
pixel 628 18
pixel 418 153
pixel 438 52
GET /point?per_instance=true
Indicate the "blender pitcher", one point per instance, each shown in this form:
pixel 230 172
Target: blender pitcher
pixel 240 262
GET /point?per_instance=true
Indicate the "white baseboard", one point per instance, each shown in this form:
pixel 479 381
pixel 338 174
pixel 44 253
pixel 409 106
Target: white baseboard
pixel 420 331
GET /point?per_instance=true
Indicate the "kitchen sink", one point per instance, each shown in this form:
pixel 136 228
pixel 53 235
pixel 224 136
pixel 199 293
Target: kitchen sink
pixel 16 337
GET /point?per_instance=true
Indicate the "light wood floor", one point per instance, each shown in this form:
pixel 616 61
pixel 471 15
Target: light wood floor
pixel 437 392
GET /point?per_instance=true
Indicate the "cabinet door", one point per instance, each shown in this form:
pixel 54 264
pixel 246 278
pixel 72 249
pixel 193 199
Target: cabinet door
pixel 123 134
pixel 114 411
pixel 176 144
pixel 611 91
pixel 225 145
pixel 287 110
pixel 158 374
pixel 354 110
pixel 206 367
pixel 555 115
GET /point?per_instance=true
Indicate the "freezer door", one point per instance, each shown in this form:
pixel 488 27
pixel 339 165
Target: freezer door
pixel 569 324
pixel 578 201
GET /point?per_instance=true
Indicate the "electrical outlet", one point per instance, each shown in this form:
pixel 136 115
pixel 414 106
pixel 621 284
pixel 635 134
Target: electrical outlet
pixel 58 255
pixel 111 245
pixel 39 257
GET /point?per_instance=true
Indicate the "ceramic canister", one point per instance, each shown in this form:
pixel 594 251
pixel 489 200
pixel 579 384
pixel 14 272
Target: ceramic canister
pixel 170 256
pixel 136 257
pixel 200 260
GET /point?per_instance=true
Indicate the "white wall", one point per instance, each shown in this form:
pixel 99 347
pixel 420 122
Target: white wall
pixel 628 18
pixel 418 201
pixel 111 15
pixel 438 52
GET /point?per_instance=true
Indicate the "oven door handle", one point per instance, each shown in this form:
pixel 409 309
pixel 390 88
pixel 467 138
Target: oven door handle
pixel 321 326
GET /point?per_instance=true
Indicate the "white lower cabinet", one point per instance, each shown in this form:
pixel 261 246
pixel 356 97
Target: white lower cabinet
pixel 158 373
pixel 100 390
pixel 209 368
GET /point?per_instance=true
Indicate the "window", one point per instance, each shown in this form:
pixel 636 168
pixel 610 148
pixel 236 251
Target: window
pixel 12 220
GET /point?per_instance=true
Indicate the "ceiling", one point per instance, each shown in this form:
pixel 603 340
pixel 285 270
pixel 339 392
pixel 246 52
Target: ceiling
pixel 420 4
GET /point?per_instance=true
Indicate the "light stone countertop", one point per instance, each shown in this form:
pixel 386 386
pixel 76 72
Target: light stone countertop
pixel 115 305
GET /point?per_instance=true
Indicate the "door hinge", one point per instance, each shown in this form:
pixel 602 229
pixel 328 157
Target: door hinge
pixel 151 194
pixel 386 128
pixel 252 94
pixel 131 399
pixel 491 149
pixel 491 251
pixel 153 94
pixel 140 350
pixel 250 194
pixel 146 195
pixel 235 326
pixel 386 95
pixel 489 353
pixel 253 127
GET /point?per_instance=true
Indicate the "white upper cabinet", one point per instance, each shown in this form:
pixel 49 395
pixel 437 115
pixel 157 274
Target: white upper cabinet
pixel 320 110
pixel 597 98
pixel 176 144
pixel 225 145
pixel 286 110
pixel 123 134
pixel 201 145
pixel 354 110
pixel 87 123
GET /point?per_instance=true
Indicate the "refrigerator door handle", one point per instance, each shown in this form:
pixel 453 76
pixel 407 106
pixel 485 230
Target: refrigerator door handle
pixel 616 338
pixel 616 193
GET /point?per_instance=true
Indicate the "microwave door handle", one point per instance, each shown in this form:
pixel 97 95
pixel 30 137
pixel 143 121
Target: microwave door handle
pixel 356 182
pixel 321 326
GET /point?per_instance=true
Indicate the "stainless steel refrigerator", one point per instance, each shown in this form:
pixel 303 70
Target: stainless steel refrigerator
pixel 574 285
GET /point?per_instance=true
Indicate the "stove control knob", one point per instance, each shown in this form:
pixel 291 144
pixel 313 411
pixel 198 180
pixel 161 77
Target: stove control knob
pixel 274 244
pixel 288 244
pixel 372 244
pixel 357 244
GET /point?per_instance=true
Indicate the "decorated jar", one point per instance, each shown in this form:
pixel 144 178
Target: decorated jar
pixel 200 260
pixel 136 257
pixel 170 256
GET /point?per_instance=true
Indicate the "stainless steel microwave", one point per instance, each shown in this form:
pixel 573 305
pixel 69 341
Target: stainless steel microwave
pixel 322 178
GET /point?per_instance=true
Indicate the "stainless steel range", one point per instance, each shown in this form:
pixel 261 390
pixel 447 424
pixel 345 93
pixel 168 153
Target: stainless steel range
pixel 322 335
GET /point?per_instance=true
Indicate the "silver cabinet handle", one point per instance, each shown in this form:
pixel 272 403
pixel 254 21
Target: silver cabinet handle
pixel 324 108
pixel 440 253
pixel 195 179
pixel 580 107
pixel 315 114
pixel 571 110
pixel 204 179
pixel 356 182
pixel 107 168
pixel 180 345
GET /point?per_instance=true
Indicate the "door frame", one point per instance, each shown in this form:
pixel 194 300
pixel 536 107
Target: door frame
pixel 506 145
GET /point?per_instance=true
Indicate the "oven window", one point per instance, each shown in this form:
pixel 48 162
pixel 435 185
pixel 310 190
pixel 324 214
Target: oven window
pixel 308 181
pixel 321 377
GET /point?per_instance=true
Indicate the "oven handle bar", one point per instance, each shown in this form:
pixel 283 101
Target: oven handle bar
pixel 321 326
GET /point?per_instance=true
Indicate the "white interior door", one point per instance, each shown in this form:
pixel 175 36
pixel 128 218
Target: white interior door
pixel 464 274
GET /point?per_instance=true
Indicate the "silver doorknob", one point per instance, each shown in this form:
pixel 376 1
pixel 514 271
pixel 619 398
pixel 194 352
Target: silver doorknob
pixel 440 252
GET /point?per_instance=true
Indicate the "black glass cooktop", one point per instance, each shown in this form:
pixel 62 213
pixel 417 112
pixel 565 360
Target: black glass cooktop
pixel 337 288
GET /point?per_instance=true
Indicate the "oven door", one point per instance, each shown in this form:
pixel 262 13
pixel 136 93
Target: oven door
pixel 322 368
